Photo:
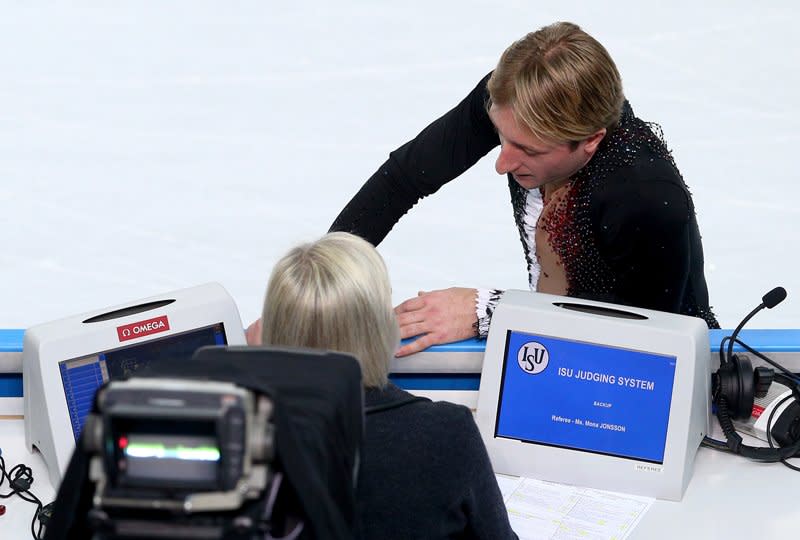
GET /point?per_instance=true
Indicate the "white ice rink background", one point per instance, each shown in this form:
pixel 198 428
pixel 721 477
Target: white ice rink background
pixel 150 146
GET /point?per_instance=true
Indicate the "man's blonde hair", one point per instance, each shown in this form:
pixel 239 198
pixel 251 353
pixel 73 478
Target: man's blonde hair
pixel 560 83
pixel 334 294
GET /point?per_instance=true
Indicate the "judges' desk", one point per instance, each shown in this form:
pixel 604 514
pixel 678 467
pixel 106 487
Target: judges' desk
pixel 728 496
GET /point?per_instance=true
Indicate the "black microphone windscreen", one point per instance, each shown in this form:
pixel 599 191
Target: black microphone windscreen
pixel 774 297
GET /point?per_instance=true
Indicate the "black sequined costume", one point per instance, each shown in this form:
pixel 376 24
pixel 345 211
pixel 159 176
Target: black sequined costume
pixel 626 233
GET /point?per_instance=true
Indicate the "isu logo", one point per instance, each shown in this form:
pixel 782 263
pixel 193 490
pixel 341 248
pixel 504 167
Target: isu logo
pixel 533 358
pixel 143 328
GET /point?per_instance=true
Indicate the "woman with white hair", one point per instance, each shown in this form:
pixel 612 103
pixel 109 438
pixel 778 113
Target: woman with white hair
pixel 424 471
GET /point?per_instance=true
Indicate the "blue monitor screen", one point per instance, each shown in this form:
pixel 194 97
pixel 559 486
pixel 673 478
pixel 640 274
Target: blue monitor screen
pixel 584 396
pixel 83 376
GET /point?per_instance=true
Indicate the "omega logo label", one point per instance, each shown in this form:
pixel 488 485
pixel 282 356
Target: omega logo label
pixel 533 358
pixel 143 328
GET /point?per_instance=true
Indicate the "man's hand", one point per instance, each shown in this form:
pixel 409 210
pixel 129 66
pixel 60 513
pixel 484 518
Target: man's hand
pixel 253 333
pixel 437 317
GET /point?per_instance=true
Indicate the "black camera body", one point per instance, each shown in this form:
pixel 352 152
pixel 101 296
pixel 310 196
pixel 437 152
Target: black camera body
pixel 181 446
pixel 240 443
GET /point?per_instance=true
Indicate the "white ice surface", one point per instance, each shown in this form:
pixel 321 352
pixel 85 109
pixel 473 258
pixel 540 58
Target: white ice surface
pixel 147 146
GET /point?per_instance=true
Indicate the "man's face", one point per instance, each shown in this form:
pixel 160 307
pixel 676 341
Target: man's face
pixel 533 162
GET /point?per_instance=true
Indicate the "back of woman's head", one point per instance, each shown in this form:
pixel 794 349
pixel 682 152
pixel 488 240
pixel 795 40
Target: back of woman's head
pixel 334 294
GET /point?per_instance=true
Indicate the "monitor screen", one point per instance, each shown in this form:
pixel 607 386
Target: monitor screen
pixel 82 376
pixel 186 453
pixel 170 457
pixel 585 397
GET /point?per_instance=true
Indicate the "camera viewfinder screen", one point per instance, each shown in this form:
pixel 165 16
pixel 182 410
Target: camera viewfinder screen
pixel 185 458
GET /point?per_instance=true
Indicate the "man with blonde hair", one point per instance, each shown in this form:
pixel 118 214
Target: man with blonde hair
pixel 424 469
pixel 602 210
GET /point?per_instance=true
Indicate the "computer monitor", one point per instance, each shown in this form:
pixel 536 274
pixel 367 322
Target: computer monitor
pixel 594 394
pixel 605 400
pixel 82 376
pixel 65 361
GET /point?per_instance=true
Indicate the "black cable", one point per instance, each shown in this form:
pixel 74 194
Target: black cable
pixel 769 430
pixel 734 443
pixel 21 475
pixel 721 348
pixel 785 377
pixel 715 444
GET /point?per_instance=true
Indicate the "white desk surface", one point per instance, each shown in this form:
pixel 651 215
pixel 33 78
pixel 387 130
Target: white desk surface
pixel 728 497
pixel 16 523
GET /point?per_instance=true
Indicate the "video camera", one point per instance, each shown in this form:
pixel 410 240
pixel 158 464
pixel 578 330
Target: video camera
pixel 239 443
pixel 198 448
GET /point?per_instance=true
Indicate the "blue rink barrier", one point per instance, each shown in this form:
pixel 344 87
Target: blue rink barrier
pixel 765 341
pixel 11 383
pixel 11 340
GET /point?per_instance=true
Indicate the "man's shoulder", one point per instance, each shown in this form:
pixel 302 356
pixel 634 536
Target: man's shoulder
pixel 642 171
pixel 645 164
pixel 645 190
pixel 635 151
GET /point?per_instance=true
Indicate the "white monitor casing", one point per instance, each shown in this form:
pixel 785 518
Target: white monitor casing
pixel 47 420
pixel 659 333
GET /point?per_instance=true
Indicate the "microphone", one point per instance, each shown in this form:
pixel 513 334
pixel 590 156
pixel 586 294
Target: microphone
pixel 774 297
pixel 769 301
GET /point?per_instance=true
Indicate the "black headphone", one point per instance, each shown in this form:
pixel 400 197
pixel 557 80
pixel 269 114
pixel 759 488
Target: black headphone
pixel 735 385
